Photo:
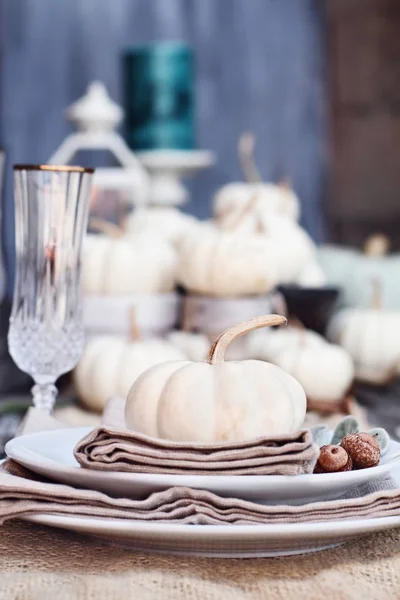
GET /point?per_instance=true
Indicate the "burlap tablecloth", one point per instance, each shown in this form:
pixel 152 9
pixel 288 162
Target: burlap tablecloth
pixel 45 564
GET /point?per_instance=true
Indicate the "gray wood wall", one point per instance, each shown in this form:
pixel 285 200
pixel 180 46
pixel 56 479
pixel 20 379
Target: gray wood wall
pixel 260 66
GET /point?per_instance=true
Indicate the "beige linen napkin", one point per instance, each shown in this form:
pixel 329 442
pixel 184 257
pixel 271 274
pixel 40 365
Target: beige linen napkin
pixel 109 449
pixel 20 495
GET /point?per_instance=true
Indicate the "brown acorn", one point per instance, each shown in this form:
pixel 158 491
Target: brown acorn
pixel 363 449
pixel 333 459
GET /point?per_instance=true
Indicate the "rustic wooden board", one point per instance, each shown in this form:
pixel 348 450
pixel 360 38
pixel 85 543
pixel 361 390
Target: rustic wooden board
pixel 364 46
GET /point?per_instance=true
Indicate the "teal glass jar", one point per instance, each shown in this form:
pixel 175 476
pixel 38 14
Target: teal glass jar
pixel 159 97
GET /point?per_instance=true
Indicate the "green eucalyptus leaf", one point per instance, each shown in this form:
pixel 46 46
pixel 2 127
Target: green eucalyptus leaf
pixel 382 437
pixel 347 426
pixel 322 435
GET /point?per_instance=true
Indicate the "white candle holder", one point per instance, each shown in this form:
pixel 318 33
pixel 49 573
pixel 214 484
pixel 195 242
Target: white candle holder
pixel 167 168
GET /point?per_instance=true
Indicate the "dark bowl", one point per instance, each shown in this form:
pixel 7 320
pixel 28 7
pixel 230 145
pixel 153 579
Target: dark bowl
pixel 312 306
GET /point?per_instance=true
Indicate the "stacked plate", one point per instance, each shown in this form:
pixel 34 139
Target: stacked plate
pixel 50 454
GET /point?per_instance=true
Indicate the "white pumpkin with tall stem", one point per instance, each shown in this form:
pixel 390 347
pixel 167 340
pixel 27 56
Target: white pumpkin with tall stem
pixel 371 337
pixel 226 263
pixel 217 401
pixel 271 198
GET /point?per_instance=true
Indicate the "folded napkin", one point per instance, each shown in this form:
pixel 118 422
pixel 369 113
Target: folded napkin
pixel 20 495
pixel 109 449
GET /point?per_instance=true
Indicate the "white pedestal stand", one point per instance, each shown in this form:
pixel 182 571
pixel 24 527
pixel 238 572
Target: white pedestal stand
pixel 167 168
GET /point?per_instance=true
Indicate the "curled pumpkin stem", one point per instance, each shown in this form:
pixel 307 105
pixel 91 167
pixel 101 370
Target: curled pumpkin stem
pixel 219 347
pixel 246 158
pixel 103 226
pixel 377 245
pixel 286 184
pixel 136 335
pixel 248 209
pixel 376 302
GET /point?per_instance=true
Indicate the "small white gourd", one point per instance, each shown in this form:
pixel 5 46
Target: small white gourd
pixel 371 337
pixel 217 401
pixel 116 264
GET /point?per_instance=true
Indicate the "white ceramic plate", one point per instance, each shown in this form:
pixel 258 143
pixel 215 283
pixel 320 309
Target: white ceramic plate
pixel 236 541
pixel 50 454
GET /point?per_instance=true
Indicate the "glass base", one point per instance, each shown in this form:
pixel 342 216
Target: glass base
pixel 44 396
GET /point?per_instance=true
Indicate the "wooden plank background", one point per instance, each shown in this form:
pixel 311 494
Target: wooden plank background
pixel 364 49
pixel 260 66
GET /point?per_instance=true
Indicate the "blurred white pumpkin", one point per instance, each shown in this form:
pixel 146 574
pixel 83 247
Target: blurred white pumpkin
pixel 295 250
pixel 218 263
pixel 269 197
pixel 217 401
pixel 168 223
pixel 197 345
pixel 353 270
pixel 194 346
pixel 143 263
pixel 371 337
pixel 110 365
pixel 324 370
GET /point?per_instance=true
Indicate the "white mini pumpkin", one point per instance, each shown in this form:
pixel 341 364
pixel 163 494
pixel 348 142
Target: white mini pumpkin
pixel 110 364
pixel 226 264
pixel 194 346
pixel 371 336
pixel 294 248
pixel 270 198
pixel 168 223
pixel 325 371
pixel 295 251
pixel 217 401
pixel 353 270
pixel 140 264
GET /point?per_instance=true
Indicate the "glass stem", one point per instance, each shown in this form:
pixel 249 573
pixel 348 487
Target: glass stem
pixel 44 396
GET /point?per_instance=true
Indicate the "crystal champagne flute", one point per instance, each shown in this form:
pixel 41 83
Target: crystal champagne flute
pixel 46 334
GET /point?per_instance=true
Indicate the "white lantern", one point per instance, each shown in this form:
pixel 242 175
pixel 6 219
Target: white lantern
pixel 96 118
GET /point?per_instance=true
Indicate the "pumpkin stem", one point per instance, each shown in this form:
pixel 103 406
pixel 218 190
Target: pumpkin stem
pixel 376 302
pixel 285 184
pixel 136 336
pixel 103 226
pixel 377 245
pixel 247 210
pixel 218 349
pixel 246 158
